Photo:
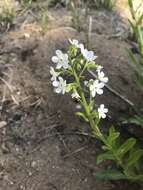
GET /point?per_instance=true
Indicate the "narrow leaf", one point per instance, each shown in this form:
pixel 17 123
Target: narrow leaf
pixel 110 175
pixel 105 156
pixel 125 147
pixel 113 135
pixel 134 157
pixel 80 114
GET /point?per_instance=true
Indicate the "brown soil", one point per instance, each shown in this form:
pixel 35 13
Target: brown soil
pixel 40 148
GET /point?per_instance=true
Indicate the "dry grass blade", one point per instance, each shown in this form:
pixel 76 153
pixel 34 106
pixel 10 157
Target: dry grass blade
pixel 9 87
pixel 75 152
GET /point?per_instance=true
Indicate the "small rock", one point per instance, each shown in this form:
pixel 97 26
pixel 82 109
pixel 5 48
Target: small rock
pixel 26 35
pixel 33 164
pixel 3 124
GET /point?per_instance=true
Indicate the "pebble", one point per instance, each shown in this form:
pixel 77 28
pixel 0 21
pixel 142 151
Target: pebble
pixel 3 124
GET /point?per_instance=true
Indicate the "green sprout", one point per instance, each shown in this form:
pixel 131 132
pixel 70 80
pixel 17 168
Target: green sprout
pixel 7 13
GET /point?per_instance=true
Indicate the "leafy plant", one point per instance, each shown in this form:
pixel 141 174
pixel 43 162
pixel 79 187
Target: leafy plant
pixel 137 34
pixel 74 64
pixel 127 156
pixel 137 63
pixel 137 120
pixel 136 24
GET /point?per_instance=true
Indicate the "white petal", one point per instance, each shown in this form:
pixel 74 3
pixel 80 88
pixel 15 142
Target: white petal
pixel 55 59
pixel 55 83
pixel 95 57
pixel 85 83
pixel 53 78
pixel 99 67
pixel 78 106
pixel 65 66
pixel 99 91
pixel 103 115
pixel 71 41
pixel 93 93
pixel 61 79
pixel 51 70
pixel 101 73
pixel 58 90
pixel 74 42
pixel 59 53
pixel 66 57
pixel 102 106
pixel 105 79
pixel 63 91
pixel 105 110
pixel 91 87
pixel 101 85
pixel 81 46
pixel 59 66
pixel 90 54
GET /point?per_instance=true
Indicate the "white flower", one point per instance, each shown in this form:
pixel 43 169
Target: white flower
pixel 74 43
pixel 101 77
pixel 102 111
pixel 99 67
pixel 88 55
pixel 61 59
pixel 54 74
pixel 75 95
pixel 96 87
pixel 60 86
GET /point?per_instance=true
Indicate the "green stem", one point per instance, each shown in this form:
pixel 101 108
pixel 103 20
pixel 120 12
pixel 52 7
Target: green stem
pixel 83 70
pixel 93 124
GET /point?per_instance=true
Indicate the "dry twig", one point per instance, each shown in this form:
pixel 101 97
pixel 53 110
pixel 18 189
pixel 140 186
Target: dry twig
pixel 115 92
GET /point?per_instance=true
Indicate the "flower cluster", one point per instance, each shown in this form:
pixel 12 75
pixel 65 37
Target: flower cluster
pixel 74 64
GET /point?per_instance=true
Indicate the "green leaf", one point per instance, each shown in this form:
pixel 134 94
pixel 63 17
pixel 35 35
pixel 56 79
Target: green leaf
pixel 80 114
pixel 132 57
pixel 105 147
pixel 130 2
pixel 140 20
pixel 138 120
pixel 94 114
pixel 134 157
pixel 110 175
pixel 91 65
pixel 125 147
pixel 139 177
pixel 113 135
pixel 69 88
pixel 105 156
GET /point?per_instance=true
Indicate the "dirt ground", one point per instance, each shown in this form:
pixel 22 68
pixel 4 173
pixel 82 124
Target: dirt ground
pixel 41 145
